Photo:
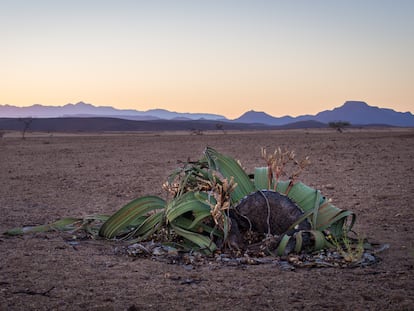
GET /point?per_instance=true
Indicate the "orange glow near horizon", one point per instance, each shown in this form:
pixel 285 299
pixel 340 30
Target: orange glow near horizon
pixel 217 57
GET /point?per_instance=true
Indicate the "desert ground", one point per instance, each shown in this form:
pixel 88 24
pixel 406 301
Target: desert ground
pixel 49 176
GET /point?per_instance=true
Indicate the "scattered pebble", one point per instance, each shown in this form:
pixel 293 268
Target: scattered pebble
pixel 190 260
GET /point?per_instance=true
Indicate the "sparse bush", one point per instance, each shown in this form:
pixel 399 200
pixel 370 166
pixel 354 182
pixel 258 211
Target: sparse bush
pixel 220 127
pixel 350 250
pixel 339 125
pixel 26 125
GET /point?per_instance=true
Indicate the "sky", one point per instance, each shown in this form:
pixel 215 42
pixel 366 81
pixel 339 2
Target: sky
pixel 289 57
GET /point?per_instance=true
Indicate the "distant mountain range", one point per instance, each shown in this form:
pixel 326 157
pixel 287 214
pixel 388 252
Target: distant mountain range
pixel 83 110
pixel 354 112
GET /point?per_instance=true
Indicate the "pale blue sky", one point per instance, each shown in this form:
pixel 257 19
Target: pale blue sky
pixel 226 57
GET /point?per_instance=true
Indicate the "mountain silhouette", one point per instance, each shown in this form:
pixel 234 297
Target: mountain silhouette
pixel 354 112
pixel 263 118
pixel 360 113
pixel 83 110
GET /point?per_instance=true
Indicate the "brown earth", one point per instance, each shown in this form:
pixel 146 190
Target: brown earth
pixel 44 178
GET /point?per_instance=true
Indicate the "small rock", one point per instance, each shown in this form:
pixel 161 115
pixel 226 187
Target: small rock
pixel 158 251
pixel 368 259
pixel 188 267
pixel 284 265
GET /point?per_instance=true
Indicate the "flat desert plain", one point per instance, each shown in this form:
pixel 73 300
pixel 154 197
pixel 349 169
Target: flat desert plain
pixel 47 177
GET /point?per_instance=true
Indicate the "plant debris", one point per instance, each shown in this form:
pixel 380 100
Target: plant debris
pixel 190 260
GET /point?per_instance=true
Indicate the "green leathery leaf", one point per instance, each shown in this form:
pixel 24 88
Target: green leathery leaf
pixel 261 178
pixel 92 223
pixel 324 215
pixel 188 202
pixel 304 196
pixel 129 214
pixel 319 238
pixel 64 224
pixel 149 225
pixel 282 186
pixel 203 242
pixel 316 207
pixel 334 220
pixel 299 241
pixel 339 227
pixel 201 227
pixel 282 245
pixel 228 167
pixel 189 175
pixel 199 216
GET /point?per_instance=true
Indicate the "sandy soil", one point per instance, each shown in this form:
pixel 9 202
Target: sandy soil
pixel 45 178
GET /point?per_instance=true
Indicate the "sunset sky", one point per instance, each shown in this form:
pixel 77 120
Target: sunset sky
pixel 216 56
